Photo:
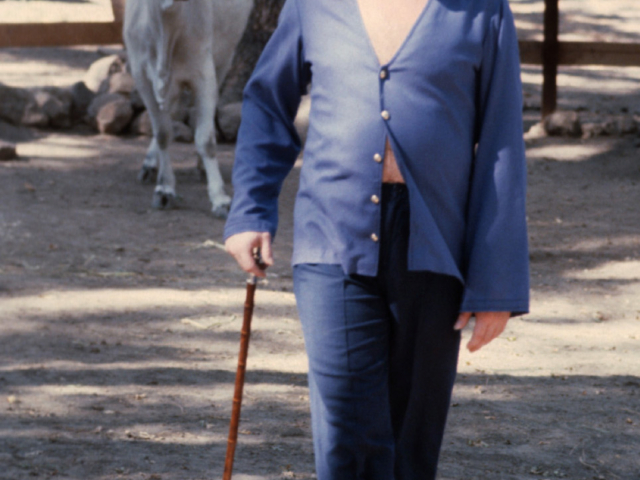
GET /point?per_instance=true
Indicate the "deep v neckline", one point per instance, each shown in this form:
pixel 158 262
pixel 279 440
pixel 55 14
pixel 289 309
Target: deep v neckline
pixel 406 39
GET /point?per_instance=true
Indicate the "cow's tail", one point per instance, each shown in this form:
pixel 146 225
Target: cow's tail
pixel 162 85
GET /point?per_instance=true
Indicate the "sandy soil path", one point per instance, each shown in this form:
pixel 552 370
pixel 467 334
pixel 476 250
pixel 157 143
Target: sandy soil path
pixel 119 324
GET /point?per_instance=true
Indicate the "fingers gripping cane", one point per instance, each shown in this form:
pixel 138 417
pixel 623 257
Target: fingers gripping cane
pixel 242 366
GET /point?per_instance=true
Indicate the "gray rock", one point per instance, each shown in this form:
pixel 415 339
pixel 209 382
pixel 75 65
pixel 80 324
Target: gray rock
pixel 627 125
pixel 592 129
pixel 121 82
pixel 7 151
pixel 56 103
pixel 46 104
pixel 100 71
pixel 81 98
pixel 566 124
pixel 50 106
pixel 110 113
pixel 34 116
pixel 142 125
pixel 136 101
pixel 536 131
pixel 610 127
pixel 229 117
pixel 14 103
pixel 182 133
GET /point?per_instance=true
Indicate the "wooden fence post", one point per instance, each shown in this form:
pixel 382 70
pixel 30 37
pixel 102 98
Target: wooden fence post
pixel 118 10
pixel 550 57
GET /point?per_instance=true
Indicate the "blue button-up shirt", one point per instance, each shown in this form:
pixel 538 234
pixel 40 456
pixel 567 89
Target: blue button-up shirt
pixel 449 102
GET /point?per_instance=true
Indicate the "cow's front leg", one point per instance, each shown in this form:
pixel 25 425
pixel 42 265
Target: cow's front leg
pixel 157 158
pixel 205 137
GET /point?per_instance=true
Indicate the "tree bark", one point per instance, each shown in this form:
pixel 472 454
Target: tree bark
pixel 261 24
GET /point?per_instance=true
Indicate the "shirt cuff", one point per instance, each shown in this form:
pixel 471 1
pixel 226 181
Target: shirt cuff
pixel 232 228
pixel 516 307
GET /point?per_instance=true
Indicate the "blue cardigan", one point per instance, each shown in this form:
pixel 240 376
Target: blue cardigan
pixel 450 104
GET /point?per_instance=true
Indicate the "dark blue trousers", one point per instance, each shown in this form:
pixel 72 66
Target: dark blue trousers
pixel 382 359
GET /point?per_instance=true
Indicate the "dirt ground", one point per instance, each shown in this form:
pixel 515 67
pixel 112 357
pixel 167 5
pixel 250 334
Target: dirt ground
pixel 119 324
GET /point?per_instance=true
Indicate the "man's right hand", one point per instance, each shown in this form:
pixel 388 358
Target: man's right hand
pixel 242 247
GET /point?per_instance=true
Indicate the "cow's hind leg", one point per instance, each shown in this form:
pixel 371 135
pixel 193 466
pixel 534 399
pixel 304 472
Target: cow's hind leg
pixel 149 170
pixel 205 137
pixel 157 158
pixel 164 195
pixel 202 173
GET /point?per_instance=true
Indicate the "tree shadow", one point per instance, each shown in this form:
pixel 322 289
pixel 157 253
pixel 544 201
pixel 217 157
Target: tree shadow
pixel 573 426
pixel 507 427
pixel 83 401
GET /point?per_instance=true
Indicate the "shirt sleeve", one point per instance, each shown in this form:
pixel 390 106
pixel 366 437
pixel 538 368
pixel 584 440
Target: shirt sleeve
pixel 496 247
pixel 268 143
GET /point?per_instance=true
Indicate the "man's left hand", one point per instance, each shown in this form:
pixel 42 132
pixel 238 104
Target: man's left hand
pixel 489 325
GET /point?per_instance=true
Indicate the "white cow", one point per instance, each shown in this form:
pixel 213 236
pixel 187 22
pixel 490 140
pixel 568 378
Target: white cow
pixel 177 43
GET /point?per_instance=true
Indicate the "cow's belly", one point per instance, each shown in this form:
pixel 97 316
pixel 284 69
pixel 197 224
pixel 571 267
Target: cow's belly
pixel 229 21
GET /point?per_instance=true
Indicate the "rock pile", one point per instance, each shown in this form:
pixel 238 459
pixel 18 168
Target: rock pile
pixel 572 124
pixel 106 99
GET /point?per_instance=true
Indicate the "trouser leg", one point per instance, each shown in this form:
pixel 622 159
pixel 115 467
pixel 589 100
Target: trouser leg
pixel 423 346
pixel 422 367
pixel 345 324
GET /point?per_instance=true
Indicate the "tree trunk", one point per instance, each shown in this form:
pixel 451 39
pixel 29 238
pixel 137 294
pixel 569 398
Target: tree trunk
pixel 261 24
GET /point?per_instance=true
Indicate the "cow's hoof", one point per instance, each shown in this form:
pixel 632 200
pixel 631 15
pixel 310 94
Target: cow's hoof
pixel 147 175
pixel 221 211
pixel 163 201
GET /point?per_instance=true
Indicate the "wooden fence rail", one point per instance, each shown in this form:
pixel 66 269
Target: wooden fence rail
pixel 64 34
pixel 584 53
pixel 59 34
pixel 549 53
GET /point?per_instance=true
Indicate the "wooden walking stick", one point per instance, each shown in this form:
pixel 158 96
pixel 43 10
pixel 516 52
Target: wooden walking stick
pixel 242 366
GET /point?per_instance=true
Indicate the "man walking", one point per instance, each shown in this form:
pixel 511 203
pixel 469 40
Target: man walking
pixel 410 215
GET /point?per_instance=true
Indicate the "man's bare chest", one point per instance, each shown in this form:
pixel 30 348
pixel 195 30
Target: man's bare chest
pixel 389 22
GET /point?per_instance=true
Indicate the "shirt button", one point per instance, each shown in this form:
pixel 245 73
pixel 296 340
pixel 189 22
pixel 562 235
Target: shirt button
pixel 375 199
pixel 377 158
pixel 385 114
pixel 383 74
pixel 374 237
